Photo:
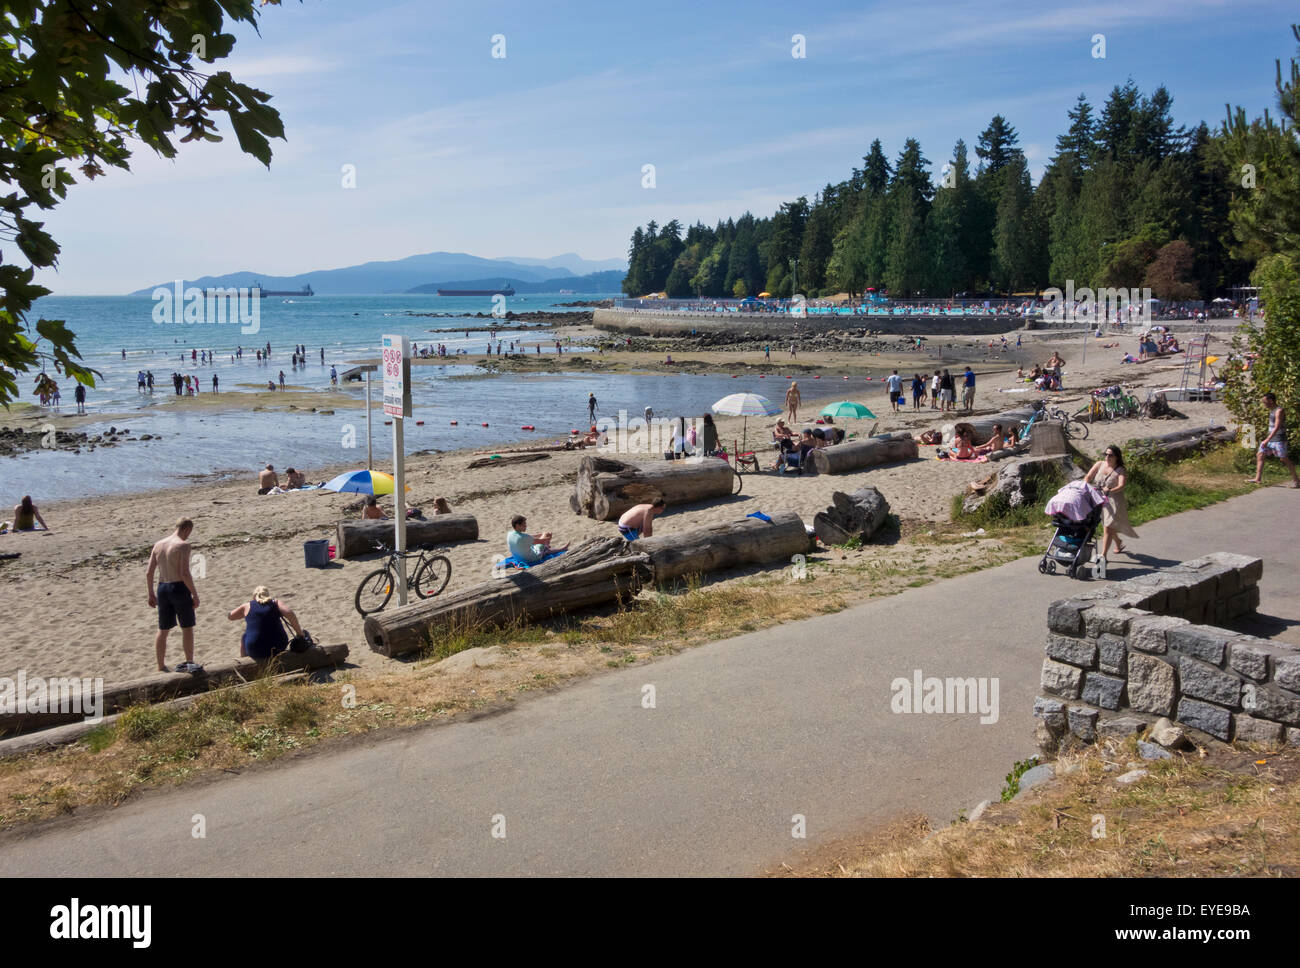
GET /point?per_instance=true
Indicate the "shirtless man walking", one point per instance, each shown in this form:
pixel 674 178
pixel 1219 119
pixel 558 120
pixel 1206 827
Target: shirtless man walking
pixel 176 597
pixel 1274 444
pixel 792 400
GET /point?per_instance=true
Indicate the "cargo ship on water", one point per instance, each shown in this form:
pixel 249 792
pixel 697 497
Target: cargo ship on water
pixel 506 290
pixel 230 291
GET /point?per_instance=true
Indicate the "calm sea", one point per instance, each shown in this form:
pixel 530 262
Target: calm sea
pixel 219 446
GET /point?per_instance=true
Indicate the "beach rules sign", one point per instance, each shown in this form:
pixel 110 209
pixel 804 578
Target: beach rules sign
pixel 397 377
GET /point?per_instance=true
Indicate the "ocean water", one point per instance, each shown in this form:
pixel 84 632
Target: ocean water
pixel 233 445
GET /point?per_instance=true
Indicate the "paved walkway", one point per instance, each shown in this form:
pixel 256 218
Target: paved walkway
pixel 746 733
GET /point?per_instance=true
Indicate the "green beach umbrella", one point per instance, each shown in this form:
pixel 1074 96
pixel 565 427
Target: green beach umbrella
pixel 846 408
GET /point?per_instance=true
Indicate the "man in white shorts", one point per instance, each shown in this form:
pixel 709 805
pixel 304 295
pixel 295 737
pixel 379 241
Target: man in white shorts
pixel 1274 444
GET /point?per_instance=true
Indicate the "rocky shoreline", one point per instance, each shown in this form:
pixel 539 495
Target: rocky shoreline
pixel 542 320
pixel 14 441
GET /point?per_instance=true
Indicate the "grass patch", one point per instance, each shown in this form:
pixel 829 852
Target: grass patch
pixel 1217 813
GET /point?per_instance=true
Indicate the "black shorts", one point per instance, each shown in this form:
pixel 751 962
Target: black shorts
pixel 175 605
pixel 894 396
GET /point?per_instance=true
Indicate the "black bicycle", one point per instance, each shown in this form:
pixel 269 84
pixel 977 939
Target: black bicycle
pixel 429 574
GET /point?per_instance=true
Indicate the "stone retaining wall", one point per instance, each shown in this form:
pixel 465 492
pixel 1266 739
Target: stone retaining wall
pixel 1121 656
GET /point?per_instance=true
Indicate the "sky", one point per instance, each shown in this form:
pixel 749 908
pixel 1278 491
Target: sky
pixel 542 151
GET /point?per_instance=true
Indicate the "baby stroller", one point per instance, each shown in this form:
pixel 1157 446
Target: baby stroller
pixel 1076 513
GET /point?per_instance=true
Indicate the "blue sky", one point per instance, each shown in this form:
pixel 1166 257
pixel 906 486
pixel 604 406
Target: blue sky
pixel 542 152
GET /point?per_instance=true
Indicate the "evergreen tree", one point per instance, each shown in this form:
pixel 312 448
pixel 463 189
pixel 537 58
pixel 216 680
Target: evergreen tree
pixel 997 146
pixel 815 252
pixel 876 173
pixel 1014 249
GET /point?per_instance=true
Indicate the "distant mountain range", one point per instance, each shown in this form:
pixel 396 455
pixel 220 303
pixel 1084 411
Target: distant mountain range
pixel 428 272
pixel 592 282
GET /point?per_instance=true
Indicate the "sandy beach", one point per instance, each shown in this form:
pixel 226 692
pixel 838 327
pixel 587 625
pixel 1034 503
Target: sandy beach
pixel 76 596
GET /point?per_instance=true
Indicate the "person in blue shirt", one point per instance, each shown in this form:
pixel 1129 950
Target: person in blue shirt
pixel 531 548
pixel 968 391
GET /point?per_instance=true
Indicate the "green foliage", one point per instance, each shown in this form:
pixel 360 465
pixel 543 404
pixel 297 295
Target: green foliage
pixel 62 107
pixel 1263 157
pixel 1018 769
pixel 1130 199
pixel 1276 367
pixel 140 723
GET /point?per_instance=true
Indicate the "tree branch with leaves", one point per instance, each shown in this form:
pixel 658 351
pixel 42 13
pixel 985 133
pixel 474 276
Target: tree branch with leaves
pixel 64 105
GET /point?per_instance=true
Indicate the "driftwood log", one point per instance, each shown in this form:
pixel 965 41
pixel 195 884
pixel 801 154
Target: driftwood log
pixel 360 537
pixel 606 487
pixel 854 455
pixel 72 732
pixel 1181 443
pixel 516 596
pixel 859 515
pixel 597 571
pixel 1010 420
pixel 1047 439
pixel 163 685
pixel 749 541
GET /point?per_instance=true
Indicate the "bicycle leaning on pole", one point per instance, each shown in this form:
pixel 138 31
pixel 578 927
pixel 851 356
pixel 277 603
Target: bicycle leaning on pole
pixel 431 573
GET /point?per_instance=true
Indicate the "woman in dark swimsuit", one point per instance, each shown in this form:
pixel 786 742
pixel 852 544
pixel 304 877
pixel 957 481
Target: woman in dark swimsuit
pixel 264 634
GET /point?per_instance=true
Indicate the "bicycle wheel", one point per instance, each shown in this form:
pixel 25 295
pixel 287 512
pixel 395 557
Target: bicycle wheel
pixel 432 576
pixel 1075 429
pixel 740 481
pixel 374 591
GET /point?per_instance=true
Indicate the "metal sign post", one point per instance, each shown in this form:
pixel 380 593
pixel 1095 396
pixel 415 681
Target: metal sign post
pixel 370 461
pixel 397 404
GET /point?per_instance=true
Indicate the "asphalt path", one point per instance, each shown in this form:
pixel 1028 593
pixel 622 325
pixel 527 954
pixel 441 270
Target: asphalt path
pixel 745 737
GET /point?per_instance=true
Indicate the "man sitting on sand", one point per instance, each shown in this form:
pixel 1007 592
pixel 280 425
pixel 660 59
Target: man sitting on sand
pixel 294 479
pixel 267 479
pixel 530 548
pixel 372 510
pixel 638 521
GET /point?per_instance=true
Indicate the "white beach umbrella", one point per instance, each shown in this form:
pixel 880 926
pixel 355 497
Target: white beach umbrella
pixel 746 405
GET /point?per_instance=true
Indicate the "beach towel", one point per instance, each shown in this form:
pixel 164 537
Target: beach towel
pixel 964 460
pixel 514 561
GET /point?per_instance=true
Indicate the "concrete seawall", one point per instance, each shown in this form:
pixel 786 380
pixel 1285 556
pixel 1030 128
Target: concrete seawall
pixel 779 326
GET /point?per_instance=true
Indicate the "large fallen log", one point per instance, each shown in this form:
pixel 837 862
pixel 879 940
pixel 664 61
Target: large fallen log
pixel 72 732
pixel 854 455
pixel 360 537
pixel 857 515
pixel 605 487
pixel 749 541
pixel 1181 443
pixel 1009 419
pixel 596 571
pixel 515 597
pixel 64 699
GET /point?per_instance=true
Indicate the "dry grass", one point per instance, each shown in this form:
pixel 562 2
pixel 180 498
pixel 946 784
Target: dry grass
pixel 1226 813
